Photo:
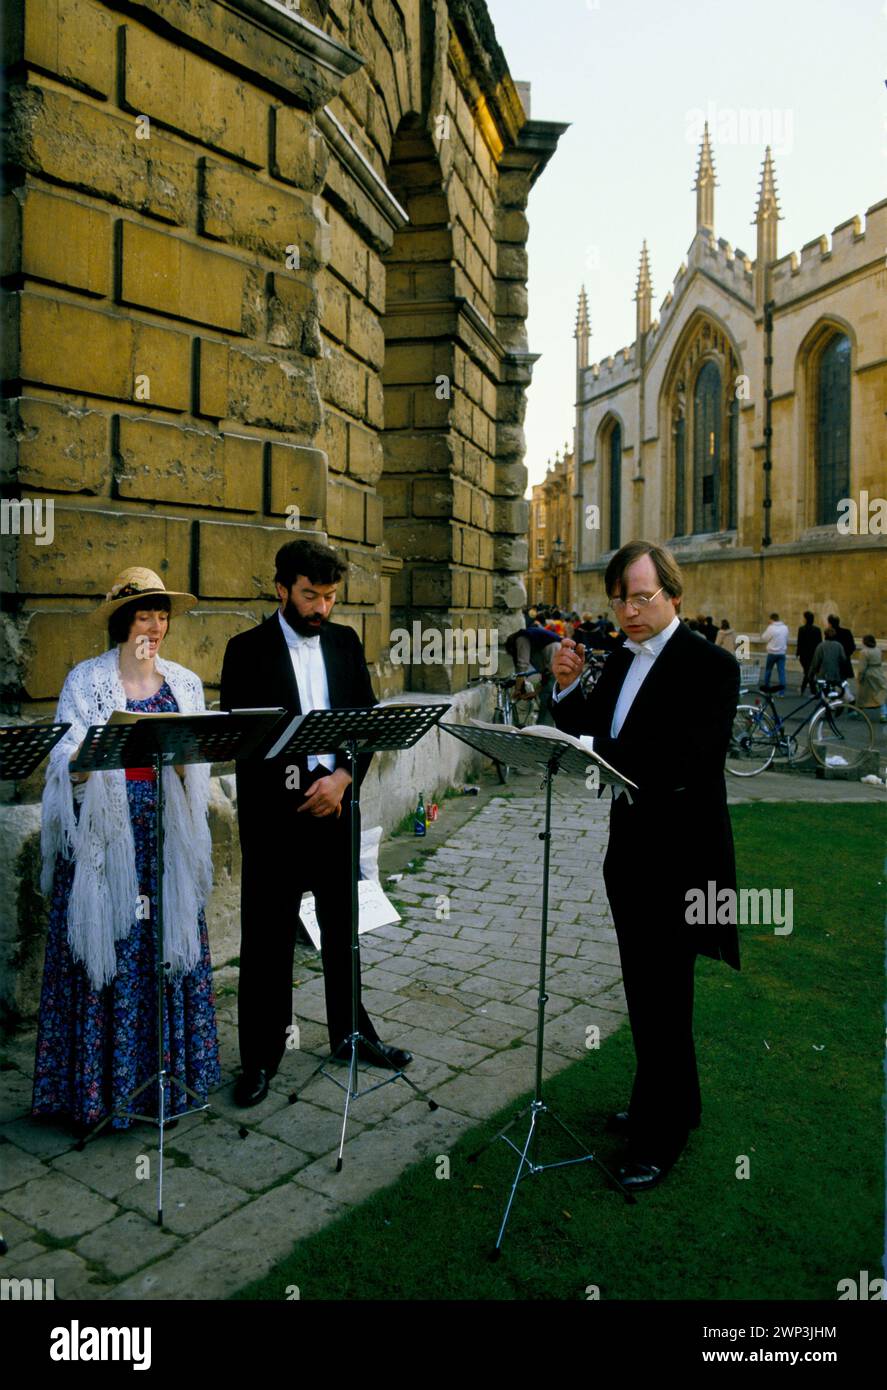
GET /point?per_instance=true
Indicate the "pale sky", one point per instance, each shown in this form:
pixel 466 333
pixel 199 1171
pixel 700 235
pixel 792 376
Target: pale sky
pixel 636 78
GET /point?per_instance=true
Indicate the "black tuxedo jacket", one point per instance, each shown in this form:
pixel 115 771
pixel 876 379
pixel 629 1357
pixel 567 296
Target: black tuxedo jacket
pixel 677 834
pixel 258 672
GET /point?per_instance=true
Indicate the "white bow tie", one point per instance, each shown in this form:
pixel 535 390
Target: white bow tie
pixel 307 643
pixel 636 647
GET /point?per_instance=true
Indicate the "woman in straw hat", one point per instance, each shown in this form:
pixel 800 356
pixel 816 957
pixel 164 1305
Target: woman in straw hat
pixel 97 1035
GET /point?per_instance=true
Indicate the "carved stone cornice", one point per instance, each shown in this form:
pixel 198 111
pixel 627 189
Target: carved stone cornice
pixel 359 167
pixel 269 43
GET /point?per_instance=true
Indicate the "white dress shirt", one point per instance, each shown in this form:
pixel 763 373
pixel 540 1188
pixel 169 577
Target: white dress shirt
pixel 310 673
pixel 645 653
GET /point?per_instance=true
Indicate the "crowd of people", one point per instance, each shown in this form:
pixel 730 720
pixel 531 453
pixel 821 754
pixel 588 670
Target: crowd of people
pixel 824 655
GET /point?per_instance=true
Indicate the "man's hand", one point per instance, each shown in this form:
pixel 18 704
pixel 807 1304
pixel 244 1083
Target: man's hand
pixel 324 797
pixel 568 662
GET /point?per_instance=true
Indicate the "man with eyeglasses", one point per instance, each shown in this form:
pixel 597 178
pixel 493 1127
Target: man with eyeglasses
pixel 662 713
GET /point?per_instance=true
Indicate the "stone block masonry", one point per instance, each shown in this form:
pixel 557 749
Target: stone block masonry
pixel 254 287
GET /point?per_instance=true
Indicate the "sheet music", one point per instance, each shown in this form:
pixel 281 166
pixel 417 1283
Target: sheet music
pixel 583 744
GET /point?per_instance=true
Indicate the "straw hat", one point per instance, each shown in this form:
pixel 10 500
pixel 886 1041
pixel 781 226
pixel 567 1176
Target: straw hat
pixel 138 582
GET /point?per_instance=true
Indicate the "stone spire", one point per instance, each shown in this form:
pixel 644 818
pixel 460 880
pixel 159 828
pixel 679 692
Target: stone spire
pixel 644 296
pixel 767 218
pixel 705 186
pixel 583 331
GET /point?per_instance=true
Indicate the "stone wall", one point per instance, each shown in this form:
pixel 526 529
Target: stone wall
pixel 264 272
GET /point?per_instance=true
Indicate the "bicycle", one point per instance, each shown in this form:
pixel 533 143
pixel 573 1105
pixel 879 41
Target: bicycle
pixel 840 735
pixel 595 661
pixel 525 702
pixel 505 711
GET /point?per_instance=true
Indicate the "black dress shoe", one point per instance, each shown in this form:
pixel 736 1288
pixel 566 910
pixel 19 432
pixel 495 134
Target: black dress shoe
pixel 384 1055
pixel 251 1087
pixel 377 1054
pixel 618 1123
pixel 638 1177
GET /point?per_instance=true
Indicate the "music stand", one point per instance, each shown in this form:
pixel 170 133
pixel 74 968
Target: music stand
pixel 380 728
pixel 534 751
pixel 157 741
pixel 22 749
pixel 24 746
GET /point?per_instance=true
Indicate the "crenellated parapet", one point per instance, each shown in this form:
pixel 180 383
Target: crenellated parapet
pixel 611 372
pixel 852 247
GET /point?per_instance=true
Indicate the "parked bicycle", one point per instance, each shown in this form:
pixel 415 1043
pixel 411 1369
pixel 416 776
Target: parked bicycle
pixel 518 713
pixel 840 735
pixel 595 661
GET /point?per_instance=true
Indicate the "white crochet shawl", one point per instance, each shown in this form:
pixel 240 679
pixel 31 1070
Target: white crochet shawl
pixel 104 895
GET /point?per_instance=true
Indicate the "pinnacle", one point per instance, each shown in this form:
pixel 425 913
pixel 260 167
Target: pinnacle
pixel 768 198
pixel 645 283
pixel 705 172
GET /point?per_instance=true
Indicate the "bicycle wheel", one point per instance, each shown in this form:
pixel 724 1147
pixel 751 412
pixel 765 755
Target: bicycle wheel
pixel 842 737
pixel 525 712
pixel 752 742
pixel 499 717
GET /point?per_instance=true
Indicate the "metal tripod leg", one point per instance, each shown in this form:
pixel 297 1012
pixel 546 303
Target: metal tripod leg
pixel 537 1108
pixel 355 1038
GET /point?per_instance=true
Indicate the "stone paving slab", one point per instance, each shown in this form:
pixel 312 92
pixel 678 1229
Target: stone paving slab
pixel 125 1244
pixel 58 1206
pixel 192 1198
pixel 459 991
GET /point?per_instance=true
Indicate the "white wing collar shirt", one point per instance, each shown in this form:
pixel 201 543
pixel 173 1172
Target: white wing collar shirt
pixel 310 673
pixel 645 653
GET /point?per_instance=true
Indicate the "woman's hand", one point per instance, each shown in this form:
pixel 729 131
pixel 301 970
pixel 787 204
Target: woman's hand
pixel 76 776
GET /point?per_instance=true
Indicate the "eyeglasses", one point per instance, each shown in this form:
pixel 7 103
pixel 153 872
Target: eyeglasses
pixel 637 601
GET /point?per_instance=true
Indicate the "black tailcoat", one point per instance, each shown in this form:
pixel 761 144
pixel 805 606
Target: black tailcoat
pixel 674 836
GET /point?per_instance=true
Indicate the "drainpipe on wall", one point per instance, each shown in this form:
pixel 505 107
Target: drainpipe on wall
pixel 766 539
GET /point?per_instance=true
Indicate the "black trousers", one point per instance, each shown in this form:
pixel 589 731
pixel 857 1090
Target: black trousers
pixel 281 861
pixel 658 961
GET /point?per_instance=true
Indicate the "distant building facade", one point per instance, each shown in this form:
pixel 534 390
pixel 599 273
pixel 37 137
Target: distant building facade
pixel 551 546
pixel 736 424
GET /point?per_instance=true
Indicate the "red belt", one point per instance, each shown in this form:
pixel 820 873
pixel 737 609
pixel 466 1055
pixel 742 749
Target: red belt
pixel 140 774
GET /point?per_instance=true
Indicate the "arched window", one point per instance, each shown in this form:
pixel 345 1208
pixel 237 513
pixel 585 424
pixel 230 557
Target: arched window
pixel 707 449
pixel 679 430
pixel 732 469
pixel 832 446
pixel 615 445
pixel 703 412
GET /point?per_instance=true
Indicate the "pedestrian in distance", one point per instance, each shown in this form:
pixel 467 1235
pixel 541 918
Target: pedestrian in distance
pixel 871 680
pixel 809 638
pixel 776 637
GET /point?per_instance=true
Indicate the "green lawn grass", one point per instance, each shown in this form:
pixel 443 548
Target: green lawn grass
pixel 791 1066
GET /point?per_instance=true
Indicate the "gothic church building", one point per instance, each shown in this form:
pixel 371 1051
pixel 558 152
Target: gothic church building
pixel 734 425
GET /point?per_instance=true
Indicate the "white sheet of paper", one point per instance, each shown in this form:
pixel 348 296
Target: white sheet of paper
pixel 375 910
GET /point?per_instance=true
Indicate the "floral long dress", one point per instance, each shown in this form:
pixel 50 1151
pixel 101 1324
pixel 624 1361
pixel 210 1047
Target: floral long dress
pixel 94 1047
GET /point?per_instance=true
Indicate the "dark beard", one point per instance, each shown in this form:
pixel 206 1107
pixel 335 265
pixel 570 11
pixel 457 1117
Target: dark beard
pixel 299 624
